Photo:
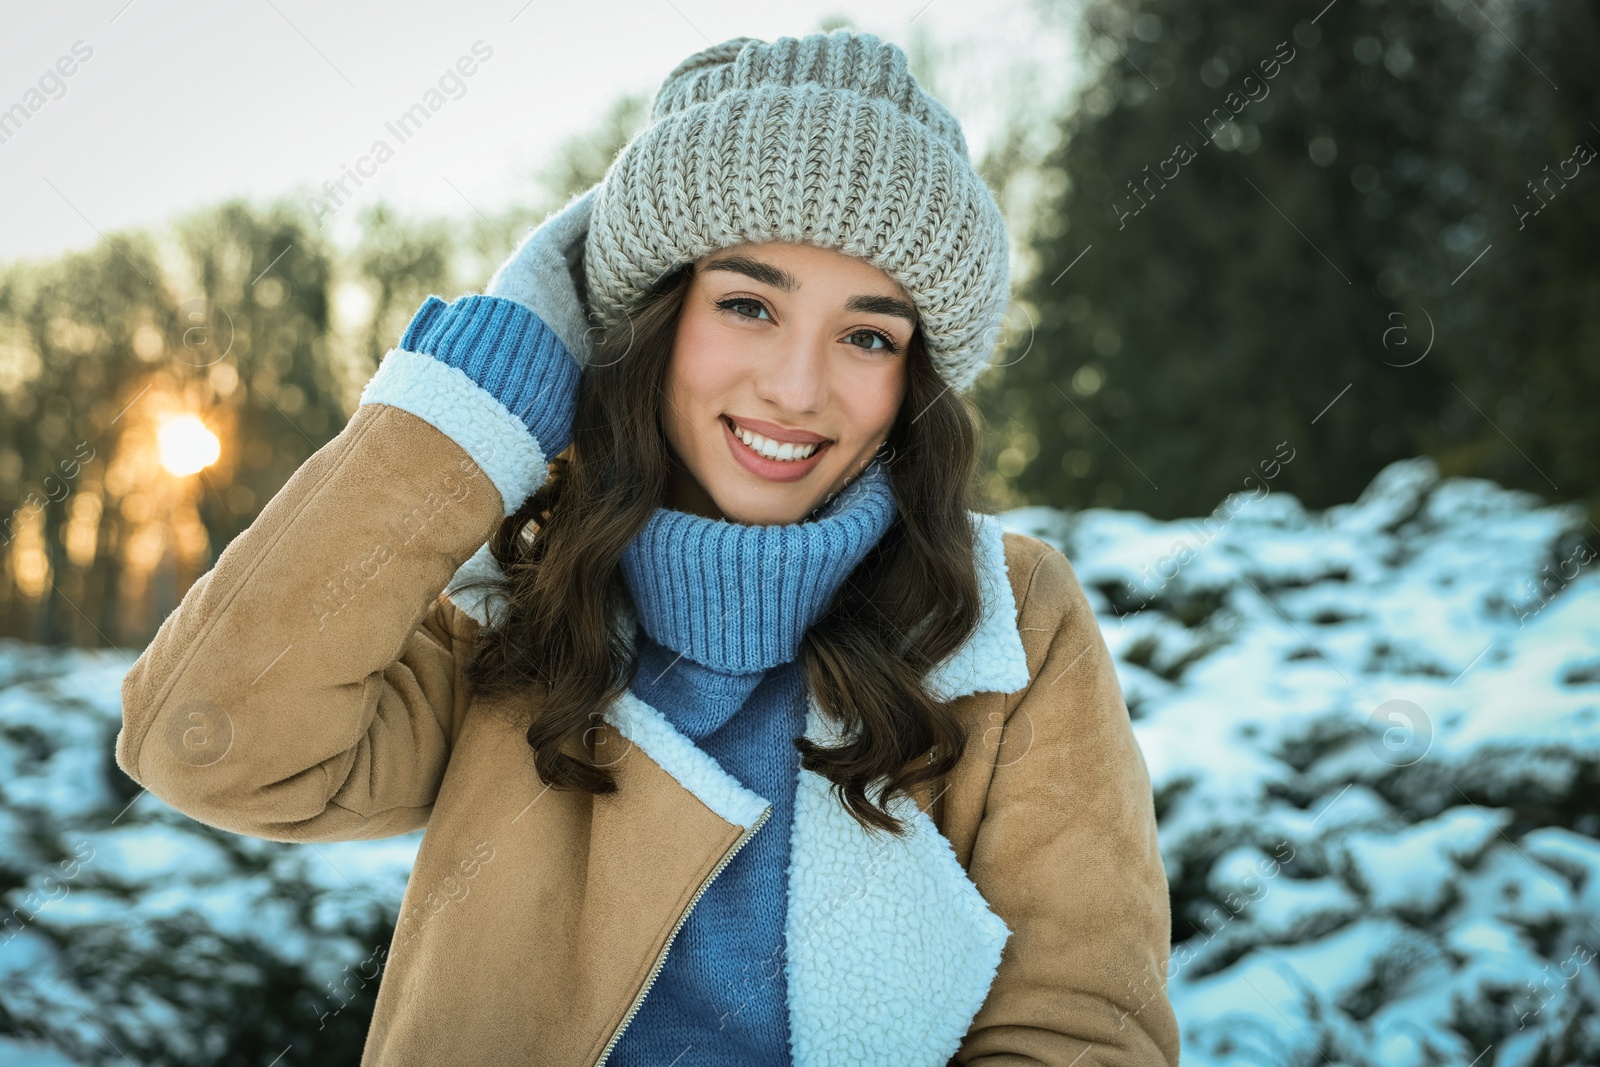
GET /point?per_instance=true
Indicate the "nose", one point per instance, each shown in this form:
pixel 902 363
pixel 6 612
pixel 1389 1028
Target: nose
pixel 794 378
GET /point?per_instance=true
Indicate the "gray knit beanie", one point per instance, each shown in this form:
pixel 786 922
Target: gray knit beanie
pixel 825 139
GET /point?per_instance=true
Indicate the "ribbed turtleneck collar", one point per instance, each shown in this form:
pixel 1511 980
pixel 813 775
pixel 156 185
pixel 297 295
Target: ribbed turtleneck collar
pixel 740 598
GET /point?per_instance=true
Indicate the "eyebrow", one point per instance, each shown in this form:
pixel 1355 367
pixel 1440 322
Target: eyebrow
pixel 778 278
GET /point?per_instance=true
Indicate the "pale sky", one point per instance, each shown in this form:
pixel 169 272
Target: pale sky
pixel 174 104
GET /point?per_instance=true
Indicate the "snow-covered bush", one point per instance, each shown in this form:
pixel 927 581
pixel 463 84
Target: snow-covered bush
pixel 1374 738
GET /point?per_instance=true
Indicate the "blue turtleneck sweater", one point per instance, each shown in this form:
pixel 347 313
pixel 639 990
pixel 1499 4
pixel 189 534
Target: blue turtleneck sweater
pixel 722 608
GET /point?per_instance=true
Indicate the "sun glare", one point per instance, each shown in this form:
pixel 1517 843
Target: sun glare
pixel 186 445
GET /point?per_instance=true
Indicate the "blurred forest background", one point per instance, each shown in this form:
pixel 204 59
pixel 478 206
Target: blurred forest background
pixel 1349 237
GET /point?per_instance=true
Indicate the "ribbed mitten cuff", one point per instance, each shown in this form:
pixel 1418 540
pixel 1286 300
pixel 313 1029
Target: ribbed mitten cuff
pixel 508 351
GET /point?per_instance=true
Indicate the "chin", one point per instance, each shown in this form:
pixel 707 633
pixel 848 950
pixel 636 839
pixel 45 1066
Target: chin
pixel 754 505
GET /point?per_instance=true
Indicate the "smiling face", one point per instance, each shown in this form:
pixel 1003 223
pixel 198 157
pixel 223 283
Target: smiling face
pixel 798 350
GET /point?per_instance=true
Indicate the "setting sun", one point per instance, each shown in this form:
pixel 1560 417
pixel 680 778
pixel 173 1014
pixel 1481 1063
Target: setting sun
pixel 186 445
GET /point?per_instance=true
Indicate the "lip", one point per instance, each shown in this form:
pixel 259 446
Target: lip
pixel 772 431
pixel 776 470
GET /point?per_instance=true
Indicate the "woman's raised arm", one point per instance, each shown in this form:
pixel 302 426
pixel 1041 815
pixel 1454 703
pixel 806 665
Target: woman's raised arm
pixel 308 686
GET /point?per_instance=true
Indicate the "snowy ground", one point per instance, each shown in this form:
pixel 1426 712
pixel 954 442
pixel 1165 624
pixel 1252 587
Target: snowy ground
pixel 1374 735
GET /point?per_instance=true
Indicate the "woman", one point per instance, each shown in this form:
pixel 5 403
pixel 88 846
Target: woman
pixel 737 735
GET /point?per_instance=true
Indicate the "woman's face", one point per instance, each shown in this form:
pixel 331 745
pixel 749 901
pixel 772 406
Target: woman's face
pixel 798 344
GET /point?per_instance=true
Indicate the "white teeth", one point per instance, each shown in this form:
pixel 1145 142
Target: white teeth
pixel 788 450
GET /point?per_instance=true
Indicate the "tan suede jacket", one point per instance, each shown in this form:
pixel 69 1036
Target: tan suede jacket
pixel 309 688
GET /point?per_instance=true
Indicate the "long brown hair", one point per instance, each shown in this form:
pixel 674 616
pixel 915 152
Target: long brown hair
pixel 911 601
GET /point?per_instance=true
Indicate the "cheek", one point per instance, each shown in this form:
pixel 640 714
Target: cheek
pixel 699 355
pixel 701 373
pixel 871 398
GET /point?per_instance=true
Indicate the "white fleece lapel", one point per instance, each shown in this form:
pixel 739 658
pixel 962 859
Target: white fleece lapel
pixel 891 948
pixel 993 659
pixel 694 768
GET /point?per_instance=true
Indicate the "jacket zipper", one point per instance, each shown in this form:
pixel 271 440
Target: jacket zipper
pixel 661 959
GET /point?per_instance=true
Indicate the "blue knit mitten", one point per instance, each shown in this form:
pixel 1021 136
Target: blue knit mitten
pixel 525 340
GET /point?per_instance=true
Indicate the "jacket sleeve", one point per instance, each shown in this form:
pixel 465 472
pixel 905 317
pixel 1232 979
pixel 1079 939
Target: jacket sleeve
pixel 1066 853
pixel 307 687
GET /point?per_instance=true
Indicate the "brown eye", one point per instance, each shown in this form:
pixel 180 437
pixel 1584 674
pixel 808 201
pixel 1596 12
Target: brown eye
pixel 735 301
pixel 889 347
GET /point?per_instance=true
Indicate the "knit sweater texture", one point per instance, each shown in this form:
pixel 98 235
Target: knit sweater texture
pixel 722 610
